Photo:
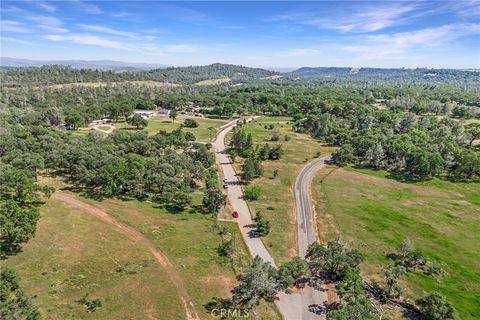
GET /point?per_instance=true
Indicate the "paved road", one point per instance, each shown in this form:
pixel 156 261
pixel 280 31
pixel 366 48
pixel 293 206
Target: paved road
pixel 306 223
pixel 292 306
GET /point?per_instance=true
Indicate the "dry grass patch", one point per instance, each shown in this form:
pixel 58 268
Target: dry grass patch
pixel 210 82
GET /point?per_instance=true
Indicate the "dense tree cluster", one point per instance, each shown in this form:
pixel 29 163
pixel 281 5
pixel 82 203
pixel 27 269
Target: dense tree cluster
pixel 14 303
pixel 164 167
pixel 405 144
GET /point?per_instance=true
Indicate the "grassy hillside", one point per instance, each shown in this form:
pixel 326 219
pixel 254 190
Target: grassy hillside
pixel 75 254
pixel 441 218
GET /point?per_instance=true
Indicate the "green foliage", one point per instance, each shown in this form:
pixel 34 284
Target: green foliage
pixel 14 304
pixel 275 173
pixel 436 307
pixel 19 203
pixel 358 307
pixel 225 249
pixel 343 156
pixel 92 305
pixel 266 152
pixel 293 271
pixel 137 121
pixel 242 142
pixel 190 123
pixel 262 224
pixel 214 200
pixel 252 193
pixel 392 289
pixel 251 169
pixel 173 115
pixel 332 260
pixel 259 281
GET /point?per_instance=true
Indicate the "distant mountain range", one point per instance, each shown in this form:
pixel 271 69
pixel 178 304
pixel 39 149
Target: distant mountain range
pixel 6 62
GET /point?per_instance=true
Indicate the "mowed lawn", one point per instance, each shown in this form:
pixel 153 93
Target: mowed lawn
pixel 278 199
pixel 442 219
pixel 75 254
pixel 202 133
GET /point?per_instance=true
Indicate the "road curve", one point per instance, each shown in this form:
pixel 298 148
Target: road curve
pixel 292 306
pixel 305 221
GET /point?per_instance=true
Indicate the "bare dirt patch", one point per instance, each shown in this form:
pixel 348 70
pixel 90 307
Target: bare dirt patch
pixel 210 82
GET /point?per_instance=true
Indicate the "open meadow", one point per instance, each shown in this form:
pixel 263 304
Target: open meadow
pixel 202 132
pixel 374 213
pixel 76 255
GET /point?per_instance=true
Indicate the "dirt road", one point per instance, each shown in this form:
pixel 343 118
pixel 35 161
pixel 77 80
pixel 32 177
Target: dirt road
pixel 70 200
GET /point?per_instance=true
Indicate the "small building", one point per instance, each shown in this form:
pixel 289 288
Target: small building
pixel 164 112
pixel 96 123
pixel 145 113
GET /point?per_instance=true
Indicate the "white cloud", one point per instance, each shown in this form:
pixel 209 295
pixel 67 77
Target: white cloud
pixel 15 40
pixel 103 29
pixel 53 29
pixel 371 19
pixel 45 6
pixel 401 42
pixel 303 52
pixel 87 7
pixel 45 20
pixel 13 26
pixel 86 39
pixel 355 19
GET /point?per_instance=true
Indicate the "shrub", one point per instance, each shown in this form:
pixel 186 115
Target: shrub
pixel 263 225
pixel 436 307
pixel 253 193
pixel 190 123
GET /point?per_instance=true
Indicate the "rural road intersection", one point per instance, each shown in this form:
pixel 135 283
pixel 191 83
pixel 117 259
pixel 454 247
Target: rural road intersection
pixel 293 306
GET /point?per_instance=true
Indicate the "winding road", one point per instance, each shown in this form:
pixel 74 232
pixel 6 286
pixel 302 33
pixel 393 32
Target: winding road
pixel 292 306
pixel 305 220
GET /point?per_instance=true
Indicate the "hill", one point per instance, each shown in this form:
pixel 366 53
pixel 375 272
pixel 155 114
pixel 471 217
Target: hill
pixel 193 74
pixel 112 65
pixel 390 75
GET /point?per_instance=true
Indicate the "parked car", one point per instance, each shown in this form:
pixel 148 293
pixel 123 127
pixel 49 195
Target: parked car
pixel 235 214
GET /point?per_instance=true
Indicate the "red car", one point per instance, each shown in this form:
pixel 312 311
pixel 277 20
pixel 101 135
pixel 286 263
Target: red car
pixel 235 214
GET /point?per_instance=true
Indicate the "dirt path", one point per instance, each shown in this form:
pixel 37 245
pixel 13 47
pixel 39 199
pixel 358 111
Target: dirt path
pixel 190 313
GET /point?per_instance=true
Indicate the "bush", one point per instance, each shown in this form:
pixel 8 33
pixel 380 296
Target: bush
pixel 263 225
pixel 436 307
pixel 190 123
pixel 286 137
pixel 253 193
pixel 275 137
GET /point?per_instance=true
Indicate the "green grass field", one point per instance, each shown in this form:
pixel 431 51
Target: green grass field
pixel 75 254
pixel 278 199
pixel 202 133
pixel 441 218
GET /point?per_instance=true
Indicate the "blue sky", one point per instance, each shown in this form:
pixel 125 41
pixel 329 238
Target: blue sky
pixel 268 34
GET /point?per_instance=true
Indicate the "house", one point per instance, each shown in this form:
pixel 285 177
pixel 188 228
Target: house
pixel 96 123
pixel 164 112
pixel 145 113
